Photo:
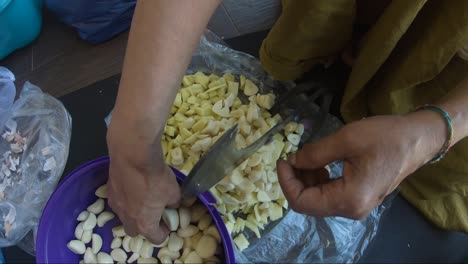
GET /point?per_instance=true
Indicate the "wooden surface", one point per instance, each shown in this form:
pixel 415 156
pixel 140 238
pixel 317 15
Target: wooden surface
pixel 59 62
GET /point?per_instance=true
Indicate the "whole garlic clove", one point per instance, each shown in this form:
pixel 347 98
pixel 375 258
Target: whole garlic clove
pixel 118 255
pixel 87 236
pixel 101 192
pixel 175 242
pixel 184 217
pixel 135 244
pixel 79 231
pixel 171 218
pixel 96 244
pixel 104 258
pixel 77 247
pixel 83 216
pixel 90 222
pixel 206 247
pixel 116 242
pixel 97 207
pixel 89 256
pixel 104 217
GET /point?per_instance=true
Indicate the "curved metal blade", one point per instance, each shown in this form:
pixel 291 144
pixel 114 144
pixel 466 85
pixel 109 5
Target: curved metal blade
pixel 220 160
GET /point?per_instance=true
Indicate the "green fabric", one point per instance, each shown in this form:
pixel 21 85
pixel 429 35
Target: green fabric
pixel 407 58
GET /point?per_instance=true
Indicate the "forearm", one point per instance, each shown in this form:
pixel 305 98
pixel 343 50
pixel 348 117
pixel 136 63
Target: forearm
pixel 162 39
pixel 429 129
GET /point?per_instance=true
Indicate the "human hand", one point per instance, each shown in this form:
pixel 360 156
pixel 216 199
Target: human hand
pixel 378 154
pixel 140 184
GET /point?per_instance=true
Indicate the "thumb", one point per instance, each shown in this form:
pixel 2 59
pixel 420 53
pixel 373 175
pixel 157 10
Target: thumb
pixel 318 154
pixel 322 200
pixel 158 234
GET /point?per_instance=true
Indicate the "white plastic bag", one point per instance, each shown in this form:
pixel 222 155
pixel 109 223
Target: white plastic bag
pixel 295 238
pixel 36 132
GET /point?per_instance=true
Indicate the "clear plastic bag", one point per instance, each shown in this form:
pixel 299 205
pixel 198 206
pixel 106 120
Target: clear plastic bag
pixel 295 238
pixel 34 148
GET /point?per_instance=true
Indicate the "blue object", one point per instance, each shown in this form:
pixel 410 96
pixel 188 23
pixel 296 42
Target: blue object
pixel 95 20
pixel 20 24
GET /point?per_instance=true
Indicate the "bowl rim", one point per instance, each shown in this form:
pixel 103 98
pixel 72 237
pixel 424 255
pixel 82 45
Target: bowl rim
pixel 206 198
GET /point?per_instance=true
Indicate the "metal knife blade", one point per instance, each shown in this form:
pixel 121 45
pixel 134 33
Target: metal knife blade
pixel 222 158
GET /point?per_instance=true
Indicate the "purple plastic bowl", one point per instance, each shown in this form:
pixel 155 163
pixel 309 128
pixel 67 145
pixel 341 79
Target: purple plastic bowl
pixel 73 195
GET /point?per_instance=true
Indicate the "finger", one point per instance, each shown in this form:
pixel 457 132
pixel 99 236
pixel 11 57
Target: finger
pixel 174 198
pixel 318 154
pixel 322 200
pixel 129 226
pixel 157 234
pixel 312 177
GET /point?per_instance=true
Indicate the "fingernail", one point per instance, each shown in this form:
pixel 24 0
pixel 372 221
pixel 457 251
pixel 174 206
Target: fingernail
pixel 292 159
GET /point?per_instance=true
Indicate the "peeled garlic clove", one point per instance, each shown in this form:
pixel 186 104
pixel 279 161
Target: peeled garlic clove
pixel 197 213
pixel 205 222
pixel 126 243
pixel 135 244
pixel 178 261
pixel 290 127
pixel 206 247
pixel 116 242
pixel 90 222
pixel 177 158
pixel 295 139
pixel 212 259
pixel 165 260
pixel 263 197
pixel 220 110
pixel 175 242
pixel 213 231
pixel 241 242
pixel 96 244
pixel 188 231
pixel 185 253
pixel 76 246
pixel 250 88
pixel 79 231
pixel 96 207
pixel 147 261
pixel 104 217
pixel 118 231
pixel 184 217
pixel 193 257
pixel 171 218
pixel 254 160
pixel 187 242
pixel 101 192
pixel 195 240
pixel 146 250
pixel 89 256
pixel 118 255
pixel 165 252
pixel 104 258
pixel 299 129
pixel 87 236
pixel 82 216
pixel 134 257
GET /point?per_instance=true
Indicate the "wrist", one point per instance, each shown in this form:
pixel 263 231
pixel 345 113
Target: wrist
pixel 429 132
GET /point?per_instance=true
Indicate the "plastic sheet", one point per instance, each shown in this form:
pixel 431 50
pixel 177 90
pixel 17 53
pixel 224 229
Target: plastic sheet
pixel 295 238
pixel 36 132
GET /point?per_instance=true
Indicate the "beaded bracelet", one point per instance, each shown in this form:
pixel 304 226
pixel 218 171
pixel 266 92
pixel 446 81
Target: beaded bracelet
pixel 448 120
